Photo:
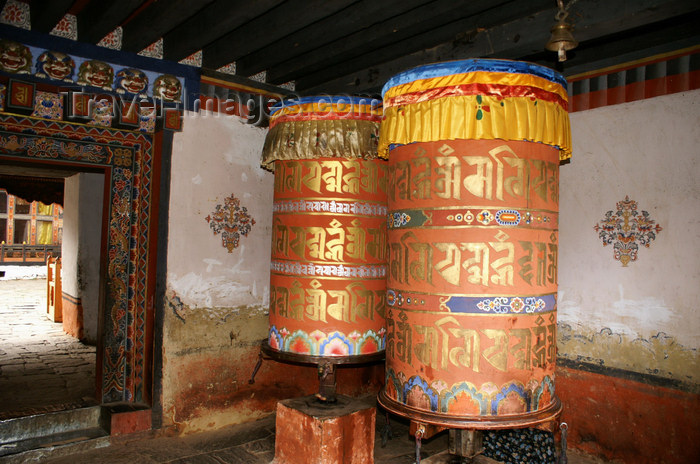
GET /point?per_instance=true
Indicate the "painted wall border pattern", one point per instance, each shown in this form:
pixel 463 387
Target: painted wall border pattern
pixel 128 157
pixel 658 75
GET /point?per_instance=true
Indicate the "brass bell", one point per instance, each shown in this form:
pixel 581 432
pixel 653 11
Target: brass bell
pixel 561 40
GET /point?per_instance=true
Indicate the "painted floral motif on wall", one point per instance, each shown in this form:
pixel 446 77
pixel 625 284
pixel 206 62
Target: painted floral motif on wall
pixel 113 40
pixel 67 27
pixel 16 13
pixel 194 59
pixel 228 68
pixel 625 229
pixel 232 221
pixel 155 50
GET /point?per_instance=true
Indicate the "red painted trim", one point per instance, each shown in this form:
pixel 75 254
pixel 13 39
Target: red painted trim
pixel 104 259
pixel 634 422
pixel 240 87
pixel 636 91
pixel 227 107
pixel 152 265
pixel 635 64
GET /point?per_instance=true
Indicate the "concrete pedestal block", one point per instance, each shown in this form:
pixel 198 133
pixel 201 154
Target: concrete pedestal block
pixel 309 432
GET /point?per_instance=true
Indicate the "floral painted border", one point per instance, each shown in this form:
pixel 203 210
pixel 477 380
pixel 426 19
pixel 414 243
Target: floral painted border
pixel 334 343
pixel 487 400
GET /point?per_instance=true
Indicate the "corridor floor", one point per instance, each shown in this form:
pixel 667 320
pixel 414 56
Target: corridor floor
pixel 41 368
pixel 254 443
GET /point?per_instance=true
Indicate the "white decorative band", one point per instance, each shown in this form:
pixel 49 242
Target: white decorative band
pixel 322 206
pixel 303 269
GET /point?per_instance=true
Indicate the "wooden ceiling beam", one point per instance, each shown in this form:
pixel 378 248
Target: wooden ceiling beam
pixel 357 16
pixel 516 39
pixel 666 36
pixel 215 20
pixel 45 14
pixel 433 22
pixel 156 20
pixel 100 17
pixel 276 24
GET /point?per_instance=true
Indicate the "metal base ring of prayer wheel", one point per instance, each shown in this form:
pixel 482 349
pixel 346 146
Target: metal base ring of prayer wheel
pixel 290 357
pixel 326 367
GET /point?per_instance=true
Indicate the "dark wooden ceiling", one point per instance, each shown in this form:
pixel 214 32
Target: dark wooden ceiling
pixel 354 46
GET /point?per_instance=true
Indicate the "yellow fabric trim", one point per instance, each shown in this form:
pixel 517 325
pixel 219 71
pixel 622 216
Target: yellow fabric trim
pixel 481 77
pixel 465 117
pixel 342 138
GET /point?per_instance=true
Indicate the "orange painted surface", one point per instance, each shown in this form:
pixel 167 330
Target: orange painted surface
pixel 312 434
pixel 473 248
pixel 633 422
pixel 327 283
pixel 72 313
pixel 124 423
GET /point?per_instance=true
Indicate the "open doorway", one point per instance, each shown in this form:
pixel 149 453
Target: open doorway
pixel 49 360
pixel 130 163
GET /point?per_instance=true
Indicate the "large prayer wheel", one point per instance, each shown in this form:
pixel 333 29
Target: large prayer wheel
pixel 474 149
pixel 328 270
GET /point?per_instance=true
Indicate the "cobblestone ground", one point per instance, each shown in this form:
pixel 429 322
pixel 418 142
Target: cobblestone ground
pixel 41 368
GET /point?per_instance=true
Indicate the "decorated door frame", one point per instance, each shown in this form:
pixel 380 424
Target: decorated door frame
pixel 125 354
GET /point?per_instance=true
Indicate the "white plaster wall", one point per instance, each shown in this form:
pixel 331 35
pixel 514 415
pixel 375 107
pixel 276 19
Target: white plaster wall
pixel 80 249
pixel 648 150
pixel 91 204
pixel 71 235
pixel 213 158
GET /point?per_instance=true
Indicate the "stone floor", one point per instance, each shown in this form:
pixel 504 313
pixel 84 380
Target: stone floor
pixel 41 368
pixel 254 443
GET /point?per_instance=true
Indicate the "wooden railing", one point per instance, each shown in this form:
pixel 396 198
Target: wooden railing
pixel 28 254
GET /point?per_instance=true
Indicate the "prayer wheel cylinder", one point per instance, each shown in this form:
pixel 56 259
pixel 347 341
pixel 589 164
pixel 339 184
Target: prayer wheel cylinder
pixel 328 266
pixel 474 148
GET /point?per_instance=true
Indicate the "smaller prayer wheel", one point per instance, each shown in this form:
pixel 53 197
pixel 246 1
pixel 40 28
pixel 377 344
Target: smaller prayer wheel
pixel 328 263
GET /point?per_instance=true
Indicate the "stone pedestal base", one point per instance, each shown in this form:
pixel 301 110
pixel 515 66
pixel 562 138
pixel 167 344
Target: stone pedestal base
pixel 309 432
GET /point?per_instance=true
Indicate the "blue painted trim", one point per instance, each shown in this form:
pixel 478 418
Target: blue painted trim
pixel 190 74
pixel 464 66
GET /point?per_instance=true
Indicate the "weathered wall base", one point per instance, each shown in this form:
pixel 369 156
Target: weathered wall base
pixel 631 421
pixel 659 355
pixel 128 422
pixel 72 316
pixel 205 382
